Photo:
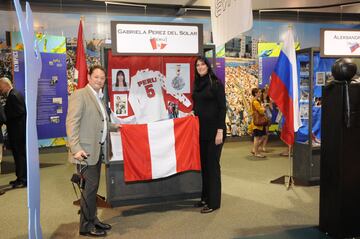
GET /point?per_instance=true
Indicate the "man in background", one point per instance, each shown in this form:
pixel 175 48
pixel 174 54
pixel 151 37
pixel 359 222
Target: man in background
pixel 15 112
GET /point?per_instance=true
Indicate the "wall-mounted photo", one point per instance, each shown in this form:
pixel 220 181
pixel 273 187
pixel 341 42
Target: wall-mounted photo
pixel 328 77
pixel 54 80
pixel 173 110
pixel 304 94
pixel 59 109
pixel 317 102
pixel 120 104
pixel 120 79
pixel 304 81
pixel 320 78
pixel 57 100
pixel 55 119
pixel 178 78
pixel 304 111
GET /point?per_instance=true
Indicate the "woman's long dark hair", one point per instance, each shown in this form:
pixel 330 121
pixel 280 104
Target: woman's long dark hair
pixel 214 81
pixel 120 72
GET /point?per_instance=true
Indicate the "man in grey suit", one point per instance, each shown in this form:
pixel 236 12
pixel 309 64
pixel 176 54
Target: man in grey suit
pixel 87 127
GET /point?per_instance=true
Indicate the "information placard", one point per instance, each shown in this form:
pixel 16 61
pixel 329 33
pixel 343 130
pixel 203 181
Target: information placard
pixel 340 43
pixel 143 38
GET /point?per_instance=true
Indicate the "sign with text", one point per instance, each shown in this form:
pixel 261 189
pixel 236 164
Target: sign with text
pixel 139 38
pixel 340 43
pixel 52 101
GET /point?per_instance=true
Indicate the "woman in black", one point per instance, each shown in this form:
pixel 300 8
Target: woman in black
pixel 210 107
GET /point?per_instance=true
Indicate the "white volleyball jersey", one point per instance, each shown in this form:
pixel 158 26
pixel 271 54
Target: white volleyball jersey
pixel 146 96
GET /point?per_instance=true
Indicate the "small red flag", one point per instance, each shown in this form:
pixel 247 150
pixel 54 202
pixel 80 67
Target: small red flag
pixel 80 65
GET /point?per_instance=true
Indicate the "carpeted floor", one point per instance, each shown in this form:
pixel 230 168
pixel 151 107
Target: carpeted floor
pixel 251 206
pixel 300 233
pixel 8 166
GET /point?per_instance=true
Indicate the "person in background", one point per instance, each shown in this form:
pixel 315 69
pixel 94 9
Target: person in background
pixel 2 122
pixel 210 106
pixel 258 132
pixel 267 103
pixel 87 127
pixel 15 112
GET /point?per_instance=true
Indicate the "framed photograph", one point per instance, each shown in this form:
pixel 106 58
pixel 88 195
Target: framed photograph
pixel 304 94
pixel 178 78
pixel 120 79
pixel 304 111
pixel 55 119
pixel 120 104
pixel 59 109
pixel 57 100
pixel 328 76
pixel 320 78
pixel 304 82
pixel 317 102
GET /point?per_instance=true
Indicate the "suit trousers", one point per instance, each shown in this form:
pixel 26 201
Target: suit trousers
pixel 88 217
pixel 18 150
pixel 210 171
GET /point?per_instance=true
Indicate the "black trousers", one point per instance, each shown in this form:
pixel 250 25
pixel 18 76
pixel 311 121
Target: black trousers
pixel 88 217
pixel 210 172
pixel 18 149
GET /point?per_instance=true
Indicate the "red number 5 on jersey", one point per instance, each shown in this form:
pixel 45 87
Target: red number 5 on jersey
pixel 150 90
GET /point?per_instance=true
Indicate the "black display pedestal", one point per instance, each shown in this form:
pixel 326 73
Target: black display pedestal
pixel 181 186
pixel 340 163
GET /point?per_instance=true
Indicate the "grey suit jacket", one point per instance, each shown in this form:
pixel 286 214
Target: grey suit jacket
pixel 84 125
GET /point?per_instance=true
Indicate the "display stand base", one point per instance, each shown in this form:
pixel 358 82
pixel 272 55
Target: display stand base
pixel 100 202
pixel 296 181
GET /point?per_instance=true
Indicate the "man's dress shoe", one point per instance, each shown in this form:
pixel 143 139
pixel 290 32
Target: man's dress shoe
pixel 19 184
pixel 94 232
pixel 13 181
pixel 103 226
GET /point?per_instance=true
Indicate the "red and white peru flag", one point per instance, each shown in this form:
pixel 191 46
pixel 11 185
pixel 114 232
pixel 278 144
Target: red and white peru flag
pixel 160 149
pixel 80 64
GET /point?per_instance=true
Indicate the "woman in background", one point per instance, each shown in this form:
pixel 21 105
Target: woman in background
pixel 268 105
pixel 258 132
pixel 210 106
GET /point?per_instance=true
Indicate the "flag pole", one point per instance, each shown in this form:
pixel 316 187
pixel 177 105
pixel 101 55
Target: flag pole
pixel 290 182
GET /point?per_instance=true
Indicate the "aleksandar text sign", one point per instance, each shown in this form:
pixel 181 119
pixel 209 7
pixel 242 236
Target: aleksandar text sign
pixel 139 38
pixel 340 43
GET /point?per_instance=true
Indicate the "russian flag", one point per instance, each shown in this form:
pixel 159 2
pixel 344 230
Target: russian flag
pixel 283 89
pixel 160 149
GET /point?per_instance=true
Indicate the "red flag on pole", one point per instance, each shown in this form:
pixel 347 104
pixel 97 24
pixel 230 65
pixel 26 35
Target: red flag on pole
pixel 80 65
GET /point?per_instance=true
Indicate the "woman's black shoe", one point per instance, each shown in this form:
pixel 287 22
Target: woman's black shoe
pixel 206 209
pixel 200 204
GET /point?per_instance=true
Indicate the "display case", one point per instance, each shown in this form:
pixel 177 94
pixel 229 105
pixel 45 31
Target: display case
pixel 314 71
pixel 186 185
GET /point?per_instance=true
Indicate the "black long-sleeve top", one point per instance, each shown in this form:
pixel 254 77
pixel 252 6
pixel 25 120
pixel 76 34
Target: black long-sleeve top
pixel 210 106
